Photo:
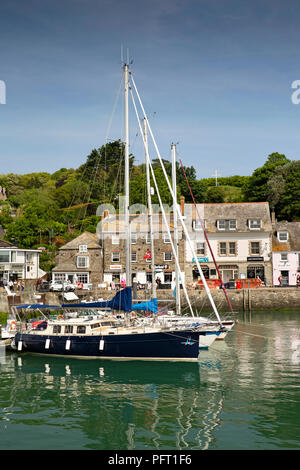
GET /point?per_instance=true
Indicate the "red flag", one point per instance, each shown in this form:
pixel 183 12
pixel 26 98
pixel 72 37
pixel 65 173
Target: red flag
pixel 147 255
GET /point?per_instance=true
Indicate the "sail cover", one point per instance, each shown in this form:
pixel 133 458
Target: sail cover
pixel 121 301
pixel 150 306
pixel 38 306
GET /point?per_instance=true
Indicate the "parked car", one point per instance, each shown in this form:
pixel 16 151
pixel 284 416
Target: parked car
pixel 60 286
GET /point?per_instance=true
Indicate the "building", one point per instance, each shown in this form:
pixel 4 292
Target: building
pixel 240 238
pixel 113 240
pixel 18 263
pixel 286 252
pixel 80 260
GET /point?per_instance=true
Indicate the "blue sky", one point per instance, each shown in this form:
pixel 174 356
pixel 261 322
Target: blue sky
pixel 215 76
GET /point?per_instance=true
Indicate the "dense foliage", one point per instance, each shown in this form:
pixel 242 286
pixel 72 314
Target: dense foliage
pixel 44 209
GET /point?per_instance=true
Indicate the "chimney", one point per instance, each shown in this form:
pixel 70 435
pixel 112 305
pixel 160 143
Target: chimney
pixel 182 204
pixel 273 219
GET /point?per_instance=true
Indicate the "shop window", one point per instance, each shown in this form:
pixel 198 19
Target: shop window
pixel 168 278
pixel 83 278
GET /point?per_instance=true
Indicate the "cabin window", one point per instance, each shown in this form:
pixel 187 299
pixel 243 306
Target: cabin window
pixel 56 329
pixel 95 325
pixel 69 329
pixel 81 329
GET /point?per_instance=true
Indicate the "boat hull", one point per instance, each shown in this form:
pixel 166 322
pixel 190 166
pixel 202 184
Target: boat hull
pixel 173 345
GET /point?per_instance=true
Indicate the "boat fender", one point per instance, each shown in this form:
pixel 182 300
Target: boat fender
pixel 59 317
pixel 12 325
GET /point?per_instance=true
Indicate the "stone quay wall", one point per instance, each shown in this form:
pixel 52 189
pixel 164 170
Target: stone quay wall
pixel 259 299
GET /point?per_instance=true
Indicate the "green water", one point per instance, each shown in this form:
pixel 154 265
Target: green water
pixel 243 394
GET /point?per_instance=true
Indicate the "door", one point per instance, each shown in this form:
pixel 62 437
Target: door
pixel 285 278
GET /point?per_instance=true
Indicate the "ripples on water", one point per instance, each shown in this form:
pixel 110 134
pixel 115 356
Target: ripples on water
pixel 243 394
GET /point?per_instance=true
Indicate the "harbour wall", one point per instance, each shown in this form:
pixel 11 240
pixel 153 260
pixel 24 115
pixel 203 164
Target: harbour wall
pixel 263 298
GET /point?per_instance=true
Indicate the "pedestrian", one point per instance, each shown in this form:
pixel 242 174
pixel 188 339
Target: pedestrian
pixel 280 280
pixel 298 280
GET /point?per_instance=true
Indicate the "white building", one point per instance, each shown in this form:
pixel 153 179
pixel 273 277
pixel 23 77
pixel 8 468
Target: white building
pixel 18 263
pixel 286 253
pixel 240 238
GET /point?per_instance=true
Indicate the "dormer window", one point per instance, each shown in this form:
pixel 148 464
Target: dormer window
pixel 82 248
pixel 226 224
pixel 283 236
pixel 254 224
pixel 197 225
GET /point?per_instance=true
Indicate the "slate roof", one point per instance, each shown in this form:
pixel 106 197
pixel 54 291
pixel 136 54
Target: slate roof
pixel 86 238
pixel 239 211
pixel 293 242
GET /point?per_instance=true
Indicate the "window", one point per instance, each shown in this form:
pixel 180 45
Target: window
pixel 223 248
pixel 200 248
pixel 168 278
pixel 69 329
pixel 254 224
pixel 81 329
pixel 83 278
pixel 82 261
pixel 115 240
pixel 226 224
pixel 167 256
pixel 115 256
pixel 283 257
pixel 82 248
pixel 134 256
pixel 148 238
pixel 4 256
pixel 282 236
pixel 133 238
pixel 254 248
pixel 197 225
pixel 59 277
pixel 13 256
pixel 56 329
pixel 227 248
pixel 232 248
pixel 29 257
pixel 167 238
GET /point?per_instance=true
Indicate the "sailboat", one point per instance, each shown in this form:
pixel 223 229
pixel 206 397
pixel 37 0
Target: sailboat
pixel 111 336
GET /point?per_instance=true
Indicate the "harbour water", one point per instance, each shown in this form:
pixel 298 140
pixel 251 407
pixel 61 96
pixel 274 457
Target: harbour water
pixel 243 394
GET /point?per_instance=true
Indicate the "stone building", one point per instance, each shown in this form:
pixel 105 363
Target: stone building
pixel 286 253
pixel 113 240
pixel 80 260
pixel 240 235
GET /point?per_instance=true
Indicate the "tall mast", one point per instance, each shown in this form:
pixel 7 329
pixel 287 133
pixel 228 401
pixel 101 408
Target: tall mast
pixel 127 221
pixel 177 272
pixel 150 213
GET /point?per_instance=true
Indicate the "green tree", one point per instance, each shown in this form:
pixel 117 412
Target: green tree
pixel 256 187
